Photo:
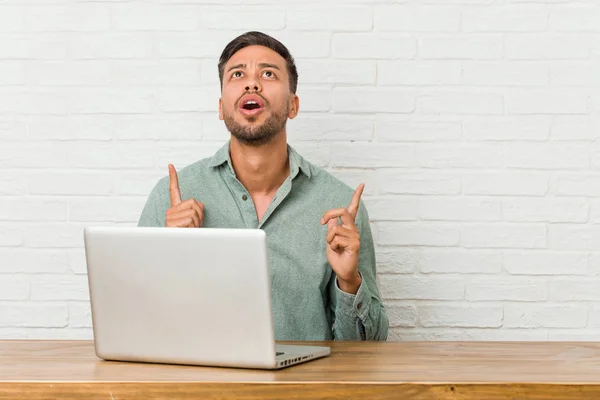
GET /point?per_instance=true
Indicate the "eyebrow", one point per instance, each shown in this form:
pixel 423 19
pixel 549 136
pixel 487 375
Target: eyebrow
pixel 241 66
pixel 267 65
pixel 260 65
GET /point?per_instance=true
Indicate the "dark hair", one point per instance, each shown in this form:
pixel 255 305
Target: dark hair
pixel 259 39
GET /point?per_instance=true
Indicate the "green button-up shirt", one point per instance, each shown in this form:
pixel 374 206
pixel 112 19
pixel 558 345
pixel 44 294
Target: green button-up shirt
pixel 306 300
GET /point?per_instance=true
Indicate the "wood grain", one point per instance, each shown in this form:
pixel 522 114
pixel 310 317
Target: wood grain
pixel 259 391
pixel 409 370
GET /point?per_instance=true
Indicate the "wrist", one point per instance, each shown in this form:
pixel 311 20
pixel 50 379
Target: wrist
pixel 351 285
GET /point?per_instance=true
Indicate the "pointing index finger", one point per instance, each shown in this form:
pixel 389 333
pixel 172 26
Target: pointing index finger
pixel 174 186
pixel 355 202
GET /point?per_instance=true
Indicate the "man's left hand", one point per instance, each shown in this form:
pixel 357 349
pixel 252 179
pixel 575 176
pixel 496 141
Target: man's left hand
pixel 343 243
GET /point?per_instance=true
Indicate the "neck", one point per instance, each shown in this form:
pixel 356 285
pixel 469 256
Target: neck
pixel 261 169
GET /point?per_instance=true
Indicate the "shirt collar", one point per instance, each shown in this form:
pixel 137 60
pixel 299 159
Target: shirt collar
pixel 297 162
pixel 221 156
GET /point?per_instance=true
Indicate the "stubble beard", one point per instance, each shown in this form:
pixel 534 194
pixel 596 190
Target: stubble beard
pixel 256 135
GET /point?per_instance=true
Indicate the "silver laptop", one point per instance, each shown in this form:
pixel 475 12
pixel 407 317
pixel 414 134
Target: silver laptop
pixel 185 296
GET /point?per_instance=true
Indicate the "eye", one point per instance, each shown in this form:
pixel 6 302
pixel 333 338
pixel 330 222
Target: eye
pixel 269 74
pixel 236 74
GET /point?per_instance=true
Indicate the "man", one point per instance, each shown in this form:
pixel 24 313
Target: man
pixel 321 254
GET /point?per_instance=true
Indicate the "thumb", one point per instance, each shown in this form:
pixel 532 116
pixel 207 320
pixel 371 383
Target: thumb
pixel 332 223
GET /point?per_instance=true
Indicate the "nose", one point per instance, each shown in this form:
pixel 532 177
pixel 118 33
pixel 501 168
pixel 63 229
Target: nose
pixel 253 84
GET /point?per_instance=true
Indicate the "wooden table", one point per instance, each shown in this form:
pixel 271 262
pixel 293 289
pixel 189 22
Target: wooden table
pixel 355 370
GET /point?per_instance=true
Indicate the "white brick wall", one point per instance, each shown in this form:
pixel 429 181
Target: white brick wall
pixel 474 124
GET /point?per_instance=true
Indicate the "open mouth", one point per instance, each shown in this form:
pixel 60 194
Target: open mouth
pixel 251 105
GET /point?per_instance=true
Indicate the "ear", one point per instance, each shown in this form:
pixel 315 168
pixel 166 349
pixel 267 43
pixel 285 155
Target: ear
pixel 221 108
pixel 294 106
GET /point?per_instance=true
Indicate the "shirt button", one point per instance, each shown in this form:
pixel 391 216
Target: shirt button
pixel 244 197
pixel 359 305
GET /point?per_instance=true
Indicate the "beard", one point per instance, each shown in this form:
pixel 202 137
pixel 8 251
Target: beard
pixel 256 135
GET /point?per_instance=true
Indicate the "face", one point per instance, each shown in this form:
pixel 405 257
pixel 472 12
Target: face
pixel 256 100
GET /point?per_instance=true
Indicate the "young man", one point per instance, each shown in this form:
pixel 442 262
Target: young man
pixel 320 248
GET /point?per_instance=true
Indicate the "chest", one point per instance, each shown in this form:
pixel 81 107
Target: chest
pixel 297 257
pixel 261 204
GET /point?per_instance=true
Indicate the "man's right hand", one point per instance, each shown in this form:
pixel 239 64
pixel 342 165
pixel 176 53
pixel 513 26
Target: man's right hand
pixel 182 214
